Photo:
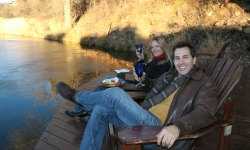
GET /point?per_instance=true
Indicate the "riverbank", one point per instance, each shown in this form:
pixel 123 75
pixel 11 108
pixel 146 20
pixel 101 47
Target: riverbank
pixel 116 27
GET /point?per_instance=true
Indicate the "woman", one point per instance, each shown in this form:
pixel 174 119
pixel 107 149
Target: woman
pixel 159 63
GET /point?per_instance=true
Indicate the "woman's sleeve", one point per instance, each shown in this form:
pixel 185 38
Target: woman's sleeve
pixel 160 69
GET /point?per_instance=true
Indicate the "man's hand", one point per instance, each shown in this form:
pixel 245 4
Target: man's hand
pixel 167 136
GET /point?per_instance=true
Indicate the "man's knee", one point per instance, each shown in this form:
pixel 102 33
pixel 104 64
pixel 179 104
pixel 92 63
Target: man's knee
pixel 98 109
pixel 115 89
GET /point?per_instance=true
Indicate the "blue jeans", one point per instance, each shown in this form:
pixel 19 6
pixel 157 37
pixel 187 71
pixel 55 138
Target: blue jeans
pixel 97 89
pixel 113 106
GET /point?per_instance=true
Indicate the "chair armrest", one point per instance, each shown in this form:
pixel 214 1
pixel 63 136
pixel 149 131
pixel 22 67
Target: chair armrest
pixel 146 134
pixel 137 94
pixel 207 129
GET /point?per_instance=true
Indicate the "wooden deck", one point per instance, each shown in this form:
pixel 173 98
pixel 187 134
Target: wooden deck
pixel 65 133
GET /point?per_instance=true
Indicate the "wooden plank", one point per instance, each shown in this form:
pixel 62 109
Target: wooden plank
pixel 57 142
pixel 211 66
pixel 74 139
pixel 75 121
pixel 41 145
pixel 73 127
pixel 67 105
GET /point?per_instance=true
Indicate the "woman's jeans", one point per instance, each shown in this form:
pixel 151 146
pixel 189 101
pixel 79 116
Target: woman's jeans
pixel 113 106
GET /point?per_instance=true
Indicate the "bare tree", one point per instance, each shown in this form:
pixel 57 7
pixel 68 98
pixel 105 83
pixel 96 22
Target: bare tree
pixel 67 16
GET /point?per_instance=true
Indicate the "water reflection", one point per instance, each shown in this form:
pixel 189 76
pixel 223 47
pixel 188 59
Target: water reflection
pixel 29 72
pixel 25 136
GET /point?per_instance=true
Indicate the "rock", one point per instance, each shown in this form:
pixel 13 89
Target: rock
pixel 237 13
pixel 246 26
pixel 219 23
pixel 181 23
pixel 238 28
pixel 93 35
pixel 210 13
pixel 246 30
pixel 230 22
pixel 242 21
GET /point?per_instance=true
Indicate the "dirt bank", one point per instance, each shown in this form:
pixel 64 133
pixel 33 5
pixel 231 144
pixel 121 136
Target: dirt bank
pixel 116 27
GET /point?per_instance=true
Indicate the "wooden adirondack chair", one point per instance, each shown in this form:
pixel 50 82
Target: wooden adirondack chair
pixel 225 73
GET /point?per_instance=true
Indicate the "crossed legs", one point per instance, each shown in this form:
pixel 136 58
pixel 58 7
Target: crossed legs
pixel 113 106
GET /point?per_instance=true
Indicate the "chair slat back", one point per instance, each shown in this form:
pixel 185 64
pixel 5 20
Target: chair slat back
pixel 205 58
pixel 230 84
pixel 220 53
pixel 226 74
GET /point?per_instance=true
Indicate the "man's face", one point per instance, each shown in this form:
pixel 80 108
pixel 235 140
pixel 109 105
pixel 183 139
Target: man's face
pixel 183 60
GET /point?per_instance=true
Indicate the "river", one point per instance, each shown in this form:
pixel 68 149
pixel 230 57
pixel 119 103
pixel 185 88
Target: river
pixel 29 70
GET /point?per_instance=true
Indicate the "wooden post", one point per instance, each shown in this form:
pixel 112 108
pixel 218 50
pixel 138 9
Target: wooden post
pixel 226 131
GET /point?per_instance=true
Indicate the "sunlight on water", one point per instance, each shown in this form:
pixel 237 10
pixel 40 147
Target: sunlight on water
pixel 29 72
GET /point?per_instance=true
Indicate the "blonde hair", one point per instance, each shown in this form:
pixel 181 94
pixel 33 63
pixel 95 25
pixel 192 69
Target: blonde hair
pixel 163 45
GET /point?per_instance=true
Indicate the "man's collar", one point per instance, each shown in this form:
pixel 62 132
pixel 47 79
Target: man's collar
pixel 198 75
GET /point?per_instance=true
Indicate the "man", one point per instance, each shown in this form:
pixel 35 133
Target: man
pixel 183 100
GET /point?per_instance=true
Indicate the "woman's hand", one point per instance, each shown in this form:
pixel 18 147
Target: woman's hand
pixel 136 76
pixel 139 55
pixel 143 76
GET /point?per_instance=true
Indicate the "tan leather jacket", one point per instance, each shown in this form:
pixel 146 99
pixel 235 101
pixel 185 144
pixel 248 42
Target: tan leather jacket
pixel 193 106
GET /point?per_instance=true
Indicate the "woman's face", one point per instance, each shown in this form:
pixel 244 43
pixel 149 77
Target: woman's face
pixel 156 49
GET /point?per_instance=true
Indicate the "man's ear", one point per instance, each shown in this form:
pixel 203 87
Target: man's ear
pixel 194 60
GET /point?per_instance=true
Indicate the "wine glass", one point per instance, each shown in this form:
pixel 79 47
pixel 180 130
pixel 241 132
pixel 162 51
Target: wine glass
pixel 139 47
pixel 139 71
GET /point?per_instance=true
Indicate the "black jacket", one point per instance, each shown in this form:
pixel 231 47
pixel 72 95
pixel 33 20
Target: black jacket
pixel 154 70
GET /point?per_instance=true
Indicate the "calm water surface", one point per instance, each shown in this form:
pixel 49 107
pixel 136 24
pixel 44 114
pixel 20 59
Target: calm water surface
pixel 29 70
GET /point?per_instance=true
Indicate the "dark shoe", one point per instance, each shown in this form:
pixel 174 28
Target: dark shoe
pixel 80 114
pixel 69 113
pixel 66 92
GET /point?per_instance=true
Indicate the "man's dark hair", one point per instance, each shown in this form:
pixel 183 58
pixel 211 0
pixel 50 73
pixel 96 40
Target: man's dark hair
pixel 184 44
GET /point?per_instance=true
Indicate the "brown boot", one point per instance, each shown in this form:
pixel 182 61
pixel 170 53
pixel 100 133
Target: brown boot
pixel 66 92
